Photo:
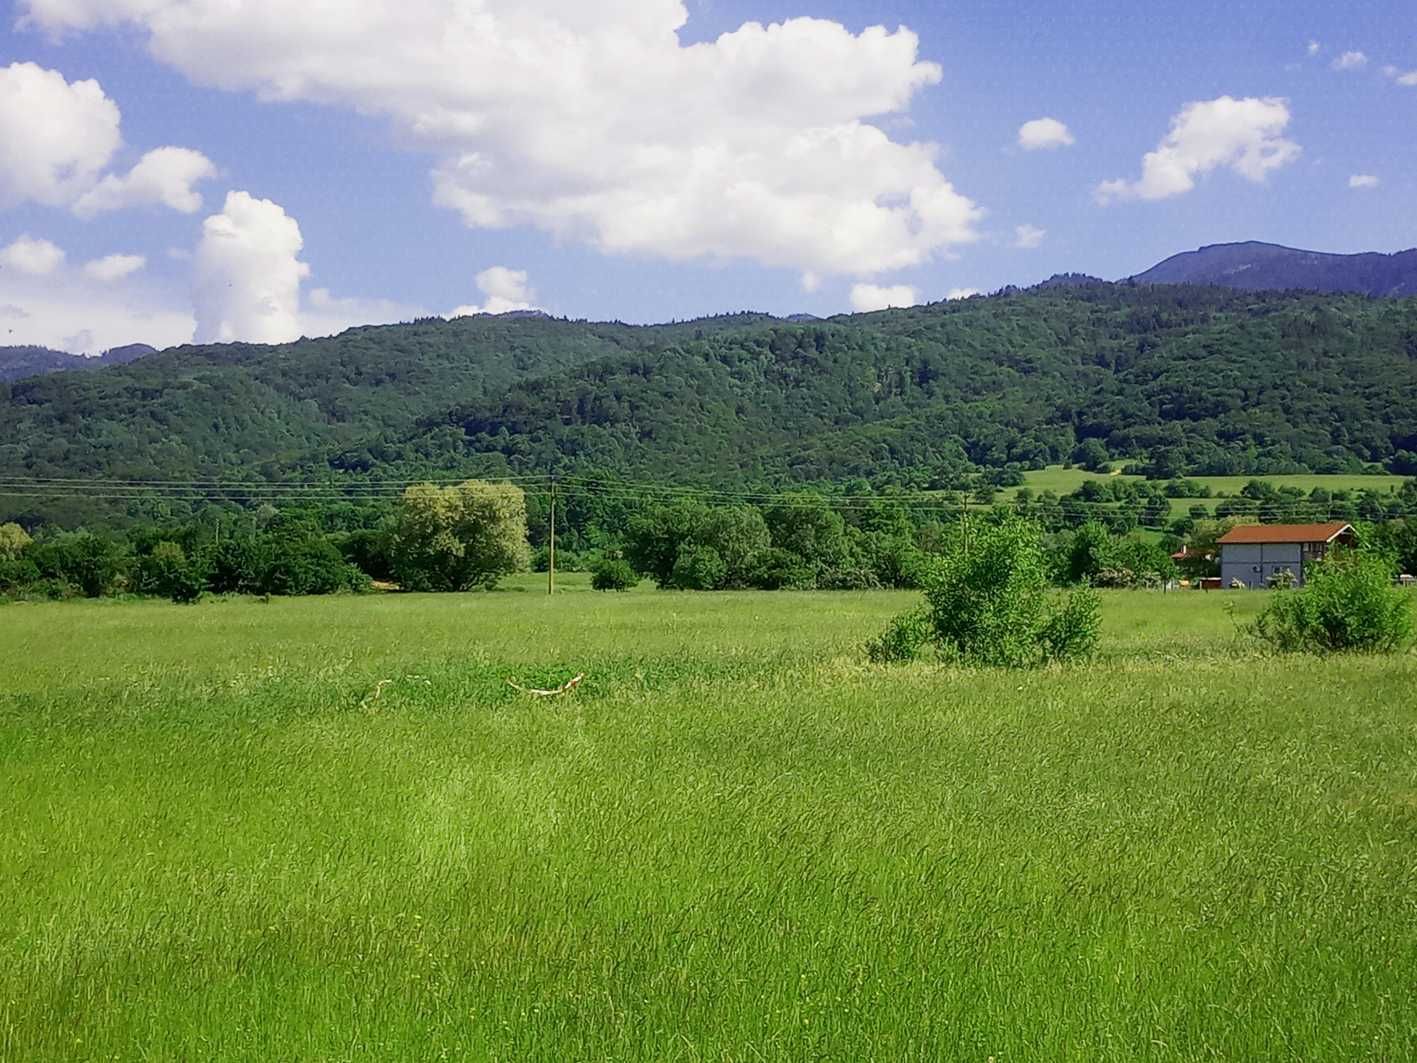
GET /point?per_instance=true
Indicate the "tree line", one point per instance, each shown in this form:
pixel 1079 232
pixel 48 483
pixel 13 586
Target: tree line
pixel 471 535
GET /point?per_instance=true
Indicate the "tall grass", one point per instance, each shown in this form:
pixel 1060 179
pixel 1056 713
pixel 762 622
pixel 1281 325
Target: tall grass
pixel 737 841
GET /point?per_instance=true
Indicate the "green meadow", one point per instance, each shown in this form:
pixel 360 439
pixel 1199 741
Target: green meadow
pixel 1064 481
pixel 330 829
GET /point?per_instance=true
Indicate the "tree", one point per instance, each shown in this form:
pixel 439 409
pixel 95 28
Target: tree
pixel 166 572
pixel 459 537
pixel 13 541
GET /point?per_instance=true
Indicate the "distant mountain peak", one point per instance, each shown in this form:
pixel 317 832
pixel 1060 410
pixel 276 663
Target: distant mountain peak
pixel 1253 265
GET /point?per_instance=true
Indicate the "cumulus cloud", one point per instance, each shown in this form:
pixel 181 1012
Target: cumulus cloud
pixel 36 258
pixel 164 177
pixel 1028 237
pixel 506 290
pixel 1350 61
pixel 963 293
pixel 1243 135
pixel 1407 78
pixel 868 297
pixel 1043 134
pixel 1314 48
pixel 57 136
pixel 596 123
pixel 248 274
pixel 72 309
pixel 114 267
pixel 1363 181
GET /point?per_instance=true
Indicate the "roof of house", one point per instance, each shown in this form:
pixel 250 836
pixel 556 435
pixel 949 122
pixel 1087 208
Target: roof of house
pixel 1284 533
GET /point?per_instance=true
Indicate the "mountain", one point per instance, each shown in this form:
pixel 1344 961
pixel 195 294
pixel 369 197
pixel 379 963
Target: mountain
pixel 17 363
pixel 1192 379
pixel 1268 267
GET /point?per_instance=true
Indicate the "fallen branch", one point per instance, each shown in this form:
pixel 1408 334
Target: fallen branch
pixel 564 688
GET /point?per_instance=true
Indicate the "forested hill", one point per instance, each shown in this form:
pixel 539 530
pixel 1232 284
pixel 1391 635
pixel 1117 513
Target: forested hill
pixel 1199 380
pixel 19 362
pixel 1188 379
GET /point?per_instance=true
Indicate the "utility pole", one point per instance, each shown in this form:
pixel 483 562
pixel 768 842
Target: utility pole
pixel 551 568
pixel 964 520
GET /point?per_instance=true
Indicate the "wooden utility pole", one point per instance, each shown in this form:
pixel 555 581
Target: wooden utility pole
pixel 964 520
pixel 551 568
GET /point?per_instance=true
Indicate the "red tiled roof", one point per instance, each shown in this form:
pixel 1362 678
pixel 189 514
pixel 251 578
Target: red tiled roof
pixel 1284 533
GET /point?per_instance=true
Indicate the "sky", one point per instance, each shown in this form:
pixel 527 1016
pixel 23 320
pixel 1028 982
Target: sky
pixel 257 170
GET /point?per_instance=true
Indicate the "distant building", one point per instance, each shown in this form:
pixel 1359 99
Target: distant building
pixel 1253 555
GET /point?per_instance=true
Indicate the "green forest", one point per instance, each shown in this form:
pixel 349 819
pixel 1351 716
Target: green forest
pixel 1171 380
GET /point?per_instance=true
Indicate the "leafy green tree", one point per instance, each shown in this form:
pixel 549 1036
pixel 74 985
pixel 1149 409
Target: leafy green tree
pixel 13 541
pixel 96 565
pixel 699 568
pixel 459 537
pixel 166 572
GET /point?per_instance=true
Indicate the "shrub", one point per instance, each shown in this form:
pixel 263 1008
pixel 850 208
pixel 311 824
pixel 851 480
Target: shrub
pixel 1348 603
pixel 614 574
pixel 902 640
pixel 1072 632
pixel 988 603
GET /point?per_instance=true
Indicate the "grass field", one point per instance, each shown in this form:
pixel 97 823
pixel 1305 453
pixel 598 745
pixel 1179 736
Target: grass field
pixel 328 829
pixel 1064 481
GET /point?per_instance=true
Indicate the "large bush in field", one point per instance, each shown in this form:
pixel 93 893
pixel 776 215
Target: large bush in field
pixel 989 602
pixel 460 537
pixel 94 564
pixel 1348 603
pixel 613 574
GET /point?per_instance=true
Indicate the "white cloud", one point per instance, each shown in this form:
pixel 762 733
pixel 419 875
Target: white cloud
pixel 1028 237
pixel 71 310
pixel 1406 78
pixel 596 123
pixel 1243 135
pixel 114 267
pixel 963 293
pixel 1350 61
pixel 1044 134
pixel 505 289
pixel 57 136
pixel 248 275
pixel 868 297
pixel 1363 181
pixel 164 176
pixel 1314 48
pixel 36 258
pixel 60 137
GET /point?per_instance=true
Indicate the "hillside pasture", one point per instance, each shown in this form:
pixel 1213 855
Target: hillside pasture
pixel 329 828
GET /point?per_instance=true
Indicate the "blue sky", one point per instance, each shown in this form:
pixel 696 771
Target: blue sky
pixel 587 151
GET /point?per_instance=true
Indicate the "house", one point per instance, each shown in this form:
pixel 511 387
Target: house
pixel 1254 554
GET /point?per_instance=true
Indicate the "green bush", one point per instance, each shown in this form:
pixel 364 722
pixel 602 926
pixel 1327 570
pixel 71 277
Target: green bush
pixel 614 574
pixel 902 640
pixel 1348 603
pixel 988 602
pixel 699 568
pixel 1072 632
